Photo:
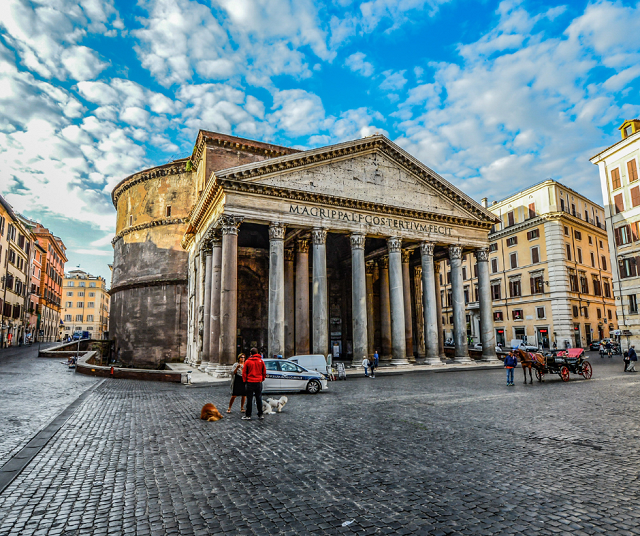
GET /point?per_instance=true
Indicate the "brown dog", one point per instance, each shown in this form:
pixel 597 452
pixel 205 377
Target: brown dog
pixel 210 413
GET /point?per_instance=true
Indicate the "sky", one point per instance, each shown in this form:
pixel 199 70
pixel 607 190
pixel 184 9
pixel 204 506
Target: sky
pixel 494 96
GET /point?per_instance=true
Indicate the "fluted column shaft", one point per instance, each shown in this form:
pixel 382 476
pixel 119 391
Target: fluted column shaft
pixel 369 267
pixel 216 266
pixel 302 298
pixel 429 304
pixel 396 299
pixel 275 340
pixel 289 305
pixel 319 282
pixel 408 320
pixel 206 327
pixel 385 310
pixel 486 309
pixel 459 314
pixel 358 299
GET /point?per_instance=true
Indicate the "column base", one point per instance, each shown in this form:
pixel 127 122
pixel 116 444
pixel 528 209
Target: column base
pixel 222 371
pixel 356 364
pixel 490 359
pixel 433 361
pixel 400 361
pixel 203 366
pixel 211 368
pixel 463 359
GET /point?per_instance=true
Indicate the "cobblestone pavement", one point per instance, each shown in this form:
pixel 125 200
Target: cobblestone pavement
pixel 452 453
pixel 34 390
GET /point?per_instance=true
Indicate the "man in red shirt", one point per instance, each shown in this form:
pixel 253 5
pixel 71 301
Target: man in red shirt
pixel 253 374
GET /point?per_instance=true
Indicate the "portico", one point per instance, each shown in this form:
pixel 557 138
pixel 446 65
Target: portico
pixel 339 245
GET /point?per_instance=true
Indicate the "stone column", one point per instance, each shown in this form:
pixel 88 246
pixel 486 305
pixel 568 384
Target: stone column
pixel 275 340
pixel 396 299
pixel 417 296
pixel 206 327
pixel 457 297
pixel 385 310
pixel 487 334
pixel 302 297
pixel 228 294
pixel 289 305
pixel 371 328
pixel 408 320
pixel 320 307
pixel 358 300
pixel 429 304
pixel 216 266
pixel 436 274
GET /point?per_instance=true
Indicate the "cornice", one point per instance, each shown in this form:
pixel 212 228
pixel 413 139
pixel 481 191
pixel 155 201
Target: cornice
pixel 148 225
pixel 149 283
pixel 516 228
pixel 171 168
pixel 542 218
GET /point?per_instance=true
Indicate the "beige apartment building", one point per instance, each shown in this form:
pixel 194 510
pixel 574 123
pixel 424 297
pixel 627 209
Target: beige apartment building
pixel 86 304
pixel 618 167
pixel 550 271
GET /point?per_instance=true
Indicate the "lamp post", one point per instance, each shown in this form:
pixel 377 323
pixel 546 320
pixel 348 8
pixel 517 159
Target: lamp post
pixel 4 301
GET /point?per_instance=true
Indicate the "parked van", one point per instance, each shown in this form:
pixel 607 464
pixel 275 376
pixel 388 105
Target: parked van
pixel 312 362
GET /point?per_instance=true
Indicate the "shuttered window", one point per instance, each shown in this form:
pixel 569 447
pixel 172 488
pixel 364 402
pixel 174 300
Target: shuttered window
pixel 532 210
pixel 615 178
pixel 535 255
pixel 512 241
pixel 579 253
pixel 494 266
pixel 495 291
pixel 604 262
pixel 568 252
pixel 635 196
pixel 632 169
pixel 537 285
pixel 617 200
pixel 513 258
pixel 515 289
pixel 534 233
pixel 493 247
pixel 622 235
pixel 510 218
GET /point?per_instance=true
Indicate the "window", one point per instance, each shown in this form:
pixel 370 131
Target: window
pixel 593 259
pixel 598 313
pixel 81 294
pixel 533 234
pixel 495 291
pixel 609 314
pixel 577 234
pixel 71 284
pixel 68 304
pixel 89 318
pixel 623 235
pixel 584 285
pixel 493 247
pixel 513 259
pixel 633 304
pixel 568 251
pixel 532 210
pixel 82 284
pixel 537 285
pixel 635 196
pixel 497 316
pixel 617 200
pixel 515 290
pixel 633 170
pixel 579 254
pixel 627 267
pixel 596 287
pixel 590 240
pixel 517 314
pixel 585 311
pixel 89 328
pixel 92 294
pixel 512 241
pixel 535 255
pixel 466 294
pixel 130 221
pixel 69 293
pixel 562 204
pixel 615 179
pixel 494 266
pixel 628 131
pixel 78 318
pixel 511 218
pixel 67 318
pixel 566 231
pixel 80 304
pixel 168 213
pixel 575 311
pixel 540 314
pixel 573 282
pixel 464 273
pixel 91 305
pixel 92 285
pixel 607 289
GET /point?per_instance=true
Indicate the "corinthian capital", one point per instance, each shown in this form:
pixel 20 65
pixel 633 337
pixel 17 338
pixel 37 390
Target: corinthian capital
pixel 455 252
pixel 303 245
pixel 394 244
pixel 384 263
pixel 229 224
pixel 319 236
pixel 482 254
pixel 277 231
pixel 406 255
pixel 426 248
pixel 288 255
pixel 357 241
pixel 369 267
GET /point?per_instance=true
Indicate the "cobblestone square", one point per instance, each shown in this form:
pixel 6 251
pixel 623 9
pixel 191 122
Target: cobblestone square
pixel 422 453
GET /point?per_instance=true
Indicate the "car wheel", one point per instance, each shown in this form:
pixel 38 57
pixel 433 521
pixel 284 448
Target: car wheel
pixel 313 387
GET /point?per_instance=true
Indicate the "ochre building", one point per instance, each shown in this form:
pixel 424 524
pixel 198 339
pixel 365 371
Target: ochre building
pixel 250 244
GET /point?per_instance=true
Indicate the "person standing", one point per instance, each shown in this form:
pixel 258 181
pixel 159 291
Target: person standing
pixel 633 357
pixel 510 363
pixel 237 385
pixel 372 367
pixel 253 374
pixel 376 358
pixel 625 358
pixel 365 366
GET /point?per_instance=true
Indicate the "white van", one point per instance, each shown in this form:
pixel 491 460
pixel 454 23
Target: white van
pixel 315 362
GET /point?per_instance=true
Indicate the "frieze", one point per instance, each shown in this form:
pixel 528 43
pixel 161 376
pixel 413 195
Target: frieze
pixel 148 225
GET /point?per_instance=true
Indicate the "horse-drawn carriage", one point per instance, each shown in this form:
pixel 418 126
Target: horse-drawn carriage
pixel 564 362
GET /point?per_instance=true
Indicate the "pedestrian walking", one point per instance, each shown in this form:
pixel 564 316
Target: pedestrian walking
pixel 237 385
pixel 633 357
pixel 510 363
pixel 609 348
pixel 625 358
pixel 253 374
pixel 555 345
pixel 372 367
pixel 365 365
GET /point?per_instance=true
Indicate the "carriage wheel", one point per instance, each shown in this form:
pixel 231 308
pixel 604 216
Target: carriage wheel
pixel 564 374
pixel 587 371
pixel 538 375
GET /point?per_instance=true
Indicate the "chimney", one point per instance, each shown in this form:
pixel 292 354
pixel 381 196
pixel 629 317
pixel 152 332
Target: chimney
pixel 485 202
pixel 494 203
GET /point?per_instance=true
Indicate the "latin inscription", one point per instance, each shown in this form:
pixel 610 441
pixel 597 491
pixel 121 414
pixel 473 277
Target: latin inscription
pixel 381 221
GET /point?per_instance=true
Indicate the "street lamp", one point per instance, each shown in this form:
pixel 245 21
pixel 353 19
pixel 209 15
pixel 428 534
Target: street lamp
pixel 4 280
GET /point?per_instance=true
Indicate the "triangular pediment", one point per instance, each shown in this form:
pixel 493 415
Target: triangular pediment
pixel 371 170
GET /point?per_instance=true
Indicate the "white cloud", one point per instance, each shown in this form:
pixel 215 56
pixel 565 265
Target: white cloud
pixel 297 112
pixel 356 62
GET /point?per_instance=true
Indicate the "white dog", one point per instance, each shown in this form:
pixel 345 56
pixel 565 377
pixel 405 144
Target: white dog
pixel 277 404
pixel 266 408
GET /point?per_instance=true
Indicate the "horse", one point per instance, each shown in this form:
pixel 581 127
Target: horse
pixel 530 360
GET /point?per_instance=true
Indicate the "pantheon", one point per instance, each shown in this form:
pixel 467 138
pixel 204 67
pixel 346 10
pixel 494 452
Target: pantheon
pixel 334 250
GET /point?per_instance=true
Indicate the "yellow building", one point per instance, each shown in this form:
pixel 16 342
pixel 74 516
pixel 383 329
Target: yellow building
pixel 619 166
pixel 550 271
pixel 86 304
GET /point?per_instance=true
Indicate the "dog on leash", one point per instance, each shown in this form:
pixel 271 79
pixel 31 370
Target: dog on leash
pixel 210 413
pixel 278 403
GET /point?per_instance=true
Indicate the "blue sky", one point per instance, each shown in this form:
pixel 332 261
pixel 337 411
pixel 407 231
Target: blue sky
pixel 493 95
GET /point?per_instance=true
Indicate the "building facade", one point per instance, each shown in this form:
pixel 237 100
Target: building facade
pixel 551 278
pixel 293 252
pixel 618 167
pixel 86 304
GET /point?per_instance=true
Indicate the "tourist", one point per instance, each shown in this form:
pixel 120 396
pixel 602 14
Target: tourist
pixel 376 358
pixel 625 358
pixel 237 385
pixel 254 373
pixel 365 365
pixel 510 363
pixel 633 357
pixel 372 367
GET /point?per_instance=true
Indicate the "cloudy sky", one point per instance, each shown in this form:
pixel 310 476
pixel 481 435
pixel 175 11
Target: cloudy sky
pixel 493 95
